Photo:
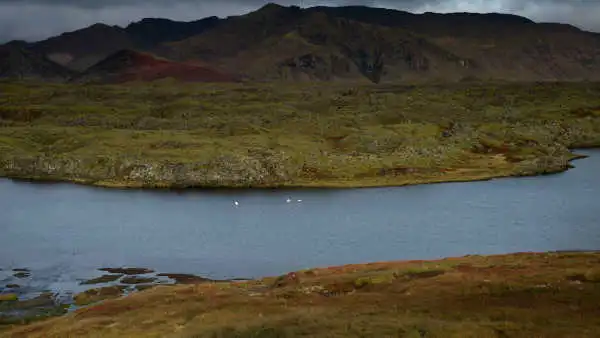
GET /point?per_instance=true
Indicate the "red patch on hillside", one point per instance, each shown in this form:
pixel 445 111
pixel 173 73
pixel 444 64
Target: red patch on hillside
pixel 127 65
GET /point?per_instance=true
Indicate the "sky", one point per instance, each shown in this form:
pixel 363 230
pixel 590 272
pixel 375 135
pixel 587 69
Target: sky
pixel 34 20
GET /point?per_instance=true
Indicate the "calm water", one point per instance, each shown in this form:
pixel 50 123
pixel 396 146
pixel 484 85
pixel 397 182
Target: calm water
pixel 65 232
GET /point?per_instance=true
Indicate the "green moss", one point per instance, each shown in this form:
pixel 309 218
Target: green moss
pixel 8 297
pixel 99 294
pixel 291 134
pixel 362 282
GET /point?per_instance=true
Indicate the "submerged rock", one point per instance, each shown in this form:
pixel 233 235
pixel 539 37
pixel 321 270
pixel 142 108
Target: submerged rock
pixel 22 274
pixel 127 271
pixel 137 280
pixel 102 279
pixel 13 286
pixel 181 278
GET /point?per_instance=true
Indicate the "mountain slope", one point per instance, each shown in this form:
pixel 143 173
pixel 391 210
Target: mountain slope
pixel 386 45
pixel 128 65
pixel 314 45
pixel 17 61
pixel 82 48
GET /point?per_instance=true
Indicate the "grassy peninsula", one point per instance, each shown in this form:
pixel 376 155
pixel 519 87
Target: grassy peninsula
pixel 519 295
pixel 167 134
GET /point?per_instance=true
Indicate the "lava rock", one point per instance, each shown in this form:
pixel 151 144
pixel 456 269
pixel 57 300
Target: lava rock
pixel 20 270
pixel 102 279
pixel 127 271
pixel 22 274
pixel 181 278
pixel 137 280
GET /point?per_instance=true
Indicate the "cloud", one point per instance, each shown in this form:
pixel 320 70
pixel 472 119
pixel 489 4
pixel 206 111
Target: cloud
pixel 38 19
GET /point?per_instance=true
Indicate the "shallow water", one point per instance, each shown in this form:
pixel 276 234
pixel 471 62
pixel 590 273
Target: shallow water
pixel 63 233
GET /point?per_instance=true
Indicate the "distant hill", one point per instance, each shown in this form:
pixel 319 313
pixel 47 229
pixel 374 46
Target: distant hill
pixel 348 43
pixel 83 48
pixel 18 61
pixel 128 65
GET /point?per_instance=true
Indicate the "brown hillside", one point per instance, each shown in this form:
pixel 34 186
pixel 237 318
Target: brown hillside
pixel 317 46
pixel 82 48
pixel 128 65
pixel 17 61
pixel 378 44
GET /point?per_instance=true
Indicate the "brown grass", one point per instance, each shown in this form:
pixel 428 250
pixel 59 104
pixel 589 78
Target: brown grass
pixel 519 295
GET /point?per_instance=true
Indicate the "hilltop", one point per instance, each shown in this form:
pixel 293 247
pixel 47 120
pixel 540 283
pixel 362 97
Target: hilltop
pixel 351 43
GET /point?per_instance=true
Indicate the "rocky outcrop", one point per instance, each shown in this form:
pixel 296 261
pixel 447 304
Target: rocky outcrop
pixel 127 271
pixel 230 170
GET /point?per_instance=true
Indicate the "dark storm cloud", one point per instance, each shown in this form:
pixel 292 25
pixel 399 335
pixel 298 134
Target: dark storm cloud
pixel 38 19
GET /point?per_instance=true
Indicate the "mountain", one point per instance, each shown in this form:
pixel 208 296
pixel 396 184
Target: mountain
pixel 18 61
pixel 328 43
pixel 128 65
pixel 83 48
pixel 346 43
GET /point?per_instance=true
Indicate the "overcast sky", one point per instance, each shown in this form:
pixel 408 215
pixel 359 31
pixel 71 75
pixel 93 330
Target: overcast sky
pixel 37 19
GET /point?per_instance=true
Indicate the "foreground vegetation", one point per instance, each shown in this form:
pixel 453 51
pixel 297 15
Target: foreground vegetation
pixel 168 134
pixel 519 295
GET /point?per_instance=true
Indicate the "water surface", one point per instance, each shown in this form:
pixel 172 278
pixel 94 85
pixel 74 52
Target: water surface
pixel 64 232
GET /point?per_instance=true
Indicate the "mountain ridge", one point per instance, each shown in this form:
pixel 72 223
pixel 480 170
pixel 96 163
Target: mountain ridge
pixel 351 42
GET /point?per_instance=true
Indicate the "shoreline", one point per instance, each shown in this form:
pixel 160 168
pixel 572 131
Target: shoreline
pixel 368 183
pixel 472 287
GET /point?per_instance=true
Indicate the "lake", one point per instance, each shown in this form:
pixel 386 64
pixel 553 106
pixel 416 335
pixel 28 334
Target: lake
pixel 63 233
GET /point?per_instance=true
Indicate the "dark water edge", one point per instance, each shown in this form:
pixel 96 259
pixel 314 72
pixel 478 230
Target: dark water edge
pixel 266 236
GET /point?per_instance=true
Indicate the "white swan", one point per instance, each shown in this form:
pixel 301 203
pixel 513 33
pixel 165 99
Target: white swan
pixel 236 203
pixel 288 200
